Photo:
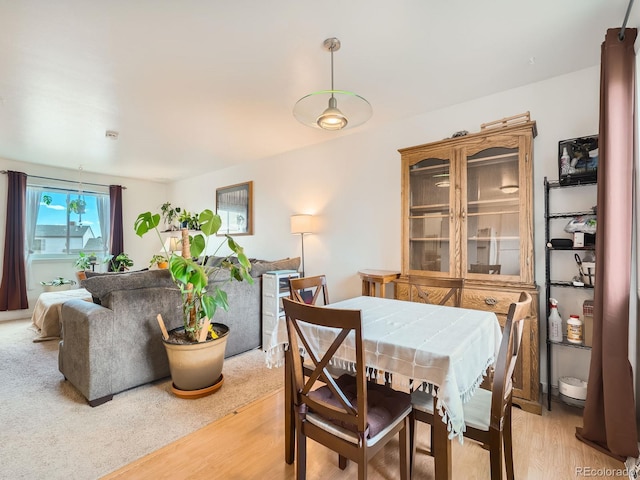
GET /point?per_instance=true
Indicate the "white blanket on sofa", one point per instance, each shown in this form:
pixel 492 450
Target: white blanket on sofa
pixel 46 312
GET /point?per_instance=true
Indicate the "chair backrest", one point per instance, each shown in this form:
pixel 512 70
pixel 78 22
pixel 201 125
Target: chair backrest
pixel 346 322
pixel 454 286
pixel 508 356
pixel 308 289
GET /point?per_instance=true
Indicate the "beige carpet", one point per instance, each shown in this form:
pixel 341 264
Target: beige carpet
pixel 47 430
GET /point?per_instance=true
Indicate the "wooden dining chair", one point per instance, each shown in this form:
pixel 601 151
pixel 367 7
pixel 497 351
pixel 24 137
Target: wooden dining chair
pixel 487 415
pixel 436 290
pixel 348 415
pixel 308 289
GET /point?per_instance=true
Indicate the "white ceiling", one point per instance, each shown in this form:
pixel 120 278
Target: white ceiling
pixel 197 85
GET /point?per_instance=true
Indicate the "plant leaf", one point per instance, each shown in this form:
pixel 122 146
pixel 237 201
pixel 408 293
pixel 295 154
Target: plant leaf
pixel 145 222
pixel 198 244
pixel 210 223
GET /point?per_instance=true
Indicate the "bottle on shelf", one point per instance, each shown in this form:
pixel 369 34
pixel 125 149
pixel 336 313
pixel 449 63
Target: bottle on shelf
pixel 565 162
pixel 555 322
pixel 574 329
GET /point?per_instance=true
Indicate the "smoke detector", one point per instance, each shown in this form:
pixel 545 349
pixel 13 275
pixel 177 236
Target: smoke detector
pixel 112 134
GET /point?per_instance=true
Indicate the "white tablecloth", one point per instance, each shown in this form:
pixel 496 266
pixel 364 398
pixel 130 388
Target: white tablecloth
pixel 450 348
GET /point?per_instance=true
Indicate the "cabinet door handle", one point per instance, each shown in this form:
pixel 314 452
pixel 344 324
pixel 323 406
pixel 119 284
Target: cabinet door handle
pixel 490 300
pixel 464 213
pixel 451 213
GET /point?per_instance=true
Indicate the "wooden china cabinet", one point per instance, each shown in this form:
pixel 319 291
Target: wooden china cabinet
pixel 467 212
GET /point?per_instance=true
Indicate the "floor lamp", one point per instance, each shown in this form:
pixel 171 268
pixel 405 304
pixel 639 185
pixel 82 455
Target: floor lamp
pixel 301 225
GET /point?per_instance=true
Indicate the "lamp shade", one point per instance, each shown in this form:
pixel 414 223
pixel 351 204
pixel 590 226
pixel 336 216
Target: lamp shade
pixel 171 244
pixel 301 224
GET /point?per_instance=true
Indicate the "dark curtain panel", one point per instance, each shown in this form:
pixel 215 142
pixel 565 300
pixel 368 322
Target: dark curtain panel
pixel 609 415
pixel 116 246
pixel 13 289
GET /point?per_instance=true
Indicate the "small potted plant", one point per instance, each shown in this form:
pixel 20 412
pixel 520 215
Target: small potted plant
pixel 82 263
pixel 196 350
pixel 57 284
pixel 119 263
pixel 170 215
pixel 160 260
pixel 188 220
pixel 77 206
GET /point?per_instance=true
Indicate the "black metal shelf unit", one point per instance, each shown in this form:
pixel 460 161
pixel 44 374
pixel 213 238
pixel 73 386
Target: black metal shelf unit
pixel 548 216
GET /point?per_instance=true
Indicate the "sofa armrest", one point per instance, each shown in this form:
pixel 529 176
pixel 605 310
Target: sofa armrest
pixel 86 347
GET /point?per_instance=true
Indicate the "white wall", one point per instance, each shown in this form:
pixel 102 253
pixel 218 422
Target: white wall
pixel 139 196
pixel 352 185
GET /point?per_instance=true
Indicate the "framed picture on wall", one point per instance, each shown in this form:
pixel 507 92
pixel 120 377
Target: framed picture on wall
pixel 578 160
pixel 234 204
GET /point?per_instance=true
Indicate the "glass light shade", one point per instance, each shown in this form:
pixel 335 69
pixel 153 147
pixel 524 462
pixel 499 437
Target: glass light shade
pixel 301 224
pixel 353 109
pixel 509 189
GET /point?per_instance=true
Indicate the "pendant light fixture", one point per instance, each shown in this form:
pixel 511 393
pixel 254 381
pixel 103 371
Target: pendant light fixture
pixel 332 109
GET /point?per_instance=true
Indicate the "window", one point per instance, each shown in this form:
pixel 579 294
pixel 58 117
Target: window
pixel 62 222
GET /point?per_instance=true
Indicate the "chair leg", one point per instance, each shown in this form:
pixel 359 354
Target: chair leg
pixel 412 441
pixel 343 462
pixel 432 447
pixel 362 470
pixel 405 469
pixel 495 453
pixel 508 444
pixel 301 455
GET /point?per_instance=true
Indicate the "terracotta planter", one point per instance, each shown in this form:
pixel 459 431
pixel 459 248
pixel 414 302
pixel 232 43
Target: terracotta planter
pixel 163 265
pixel 196 366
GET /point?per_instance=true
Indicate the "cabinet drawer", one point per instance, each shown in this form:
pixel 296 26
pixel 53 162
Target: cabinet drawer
pixel 269 283
pixel 490 300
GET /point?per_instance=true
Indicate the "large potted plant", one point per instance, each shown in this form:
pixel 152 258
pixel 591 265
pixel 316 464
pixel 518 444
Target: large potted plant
pixel 196 349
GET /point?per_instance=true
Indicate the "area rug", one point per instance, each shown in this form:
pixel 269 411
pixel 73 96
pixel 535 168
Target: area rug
pixel 47 429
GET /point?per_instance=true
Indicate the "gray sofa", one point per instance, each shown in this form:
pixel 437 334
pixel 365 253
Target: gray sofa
pixel 114 343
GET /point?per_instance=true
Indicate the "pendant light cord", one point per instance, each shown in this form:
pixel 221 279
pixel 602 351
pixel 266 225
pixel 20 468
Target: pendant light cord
pixel 624 23
pixel 331 49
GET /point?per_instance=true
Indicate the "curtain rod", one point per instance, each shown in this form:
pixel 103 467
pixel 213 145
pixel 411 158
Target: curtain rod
pixel 68 181
pixel 624 23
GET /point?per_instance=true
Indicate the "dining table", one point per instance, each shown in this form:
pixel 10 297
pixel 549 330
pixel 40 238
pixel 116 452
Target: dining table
pixel 444 350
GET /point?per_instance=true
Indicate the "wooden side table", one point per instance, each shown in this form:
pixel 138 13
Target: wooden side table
pixel 372 277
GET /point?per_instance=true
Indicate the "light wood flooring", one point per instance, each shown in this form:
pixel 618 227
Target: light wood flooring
pixel 249 444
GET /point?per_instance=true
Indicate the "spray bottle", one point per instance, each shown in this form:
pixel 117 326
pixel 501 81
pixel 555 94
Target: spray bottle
pixel 565 162
pixel 555 322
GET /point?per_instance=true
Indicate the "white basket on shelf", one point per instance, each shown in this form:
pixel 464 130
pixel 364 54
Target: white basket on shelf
pixel 589 273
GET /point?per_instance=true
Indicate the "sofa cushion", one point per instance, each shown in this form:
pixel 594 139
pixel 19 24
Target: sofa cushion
pixel 101 285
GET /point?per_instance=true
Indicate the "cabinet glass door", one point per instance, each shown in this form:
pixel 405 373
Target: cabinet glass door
pixel 430 186
pixel 493 212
